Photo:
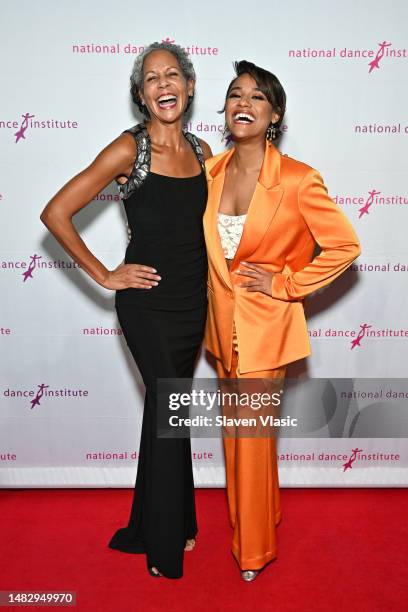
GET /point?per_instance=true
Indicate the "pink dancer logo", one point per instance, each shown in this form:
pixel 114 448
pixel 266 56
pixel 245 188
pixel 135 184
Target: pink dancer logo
pixel 369 202
pixel 168 40
pixel 24 125
pixel 40 393
pixel 357 341
pixel 349 464
pixel 380 54
pixel 33 264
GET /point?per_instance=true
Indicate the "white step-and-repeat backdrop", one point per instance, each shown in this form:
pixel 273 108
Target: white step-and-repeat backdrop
pixel 70 396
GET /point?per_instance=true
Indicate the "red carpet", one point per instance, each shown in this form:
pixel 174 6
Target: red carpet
pixel 338 550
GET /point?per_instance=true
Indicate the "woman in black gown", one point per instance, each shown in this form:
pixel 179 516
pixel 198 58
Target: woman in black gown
pixel 161 304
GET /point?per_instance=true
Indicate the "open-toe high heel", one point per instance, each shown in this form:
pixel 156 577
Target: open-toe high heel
pixel 249 575
pixel 153 571
pixel 190 544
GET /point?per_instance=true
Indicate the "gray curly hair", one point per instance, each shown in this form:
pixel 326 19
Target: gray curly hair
pixel 136 78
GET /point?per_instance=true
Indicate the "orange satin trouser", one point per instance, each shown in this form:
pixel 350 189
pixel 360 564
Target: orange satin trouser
pixel 252 484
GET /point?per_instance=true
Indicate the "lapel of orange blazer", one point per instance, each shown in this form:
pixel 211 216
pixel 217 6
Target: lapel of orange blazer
pixel 215 177
pixel 263 206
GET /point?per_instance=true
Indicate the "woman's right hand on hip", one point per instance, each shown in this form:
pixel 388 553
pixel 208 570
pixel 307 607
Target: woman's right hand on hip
pixel 132 275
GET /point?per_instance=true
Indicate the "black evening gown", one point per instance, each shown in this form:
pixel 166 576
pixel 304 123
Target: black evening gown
pixel 164 328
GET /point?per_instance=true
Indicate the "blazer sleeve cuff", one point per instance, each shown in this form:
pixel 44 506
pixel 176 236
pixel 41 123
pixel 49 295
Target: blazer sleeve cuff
pixel 278 288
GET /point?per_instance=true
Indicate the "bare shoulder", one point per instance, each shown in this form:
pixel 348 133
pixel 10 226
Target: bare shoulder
pixel 206 149
pixel 117 158
pixel 123 148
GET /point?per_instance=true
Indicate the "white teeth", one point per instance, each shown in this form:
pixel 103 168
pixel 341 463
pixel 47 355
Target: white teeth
pixel 243 117
pixel 167 99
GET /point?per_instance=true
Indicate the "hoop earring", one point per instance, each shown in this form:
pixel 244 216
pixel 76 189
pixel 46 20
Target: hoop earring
pixel 271 133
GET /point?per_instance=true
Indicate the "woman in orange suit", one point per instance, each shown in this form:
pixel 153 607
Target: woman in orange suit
pixel 264 216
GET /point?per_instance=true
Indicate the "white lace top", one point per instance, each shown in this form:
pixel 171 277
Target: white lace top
pixel 230 228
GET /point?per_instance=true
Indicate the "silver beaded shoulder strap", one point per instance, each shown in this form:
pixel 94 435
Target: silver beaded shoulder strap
pixel 142 163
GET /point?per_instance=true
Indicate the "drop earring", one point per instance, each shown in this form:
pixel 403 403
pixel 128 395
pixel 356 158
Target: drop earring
pixel 271 133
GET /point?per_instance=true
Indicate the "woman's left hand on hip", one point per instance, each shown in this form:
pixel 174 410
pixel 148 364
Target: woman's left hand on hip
pixel 260 279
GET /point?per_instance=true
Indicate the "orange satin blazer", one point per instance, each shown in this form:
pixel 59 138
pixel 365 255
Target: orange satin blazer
pixel 289 213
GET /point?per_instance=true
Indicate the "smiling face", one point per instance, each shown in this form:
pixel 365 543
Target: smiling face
pixel 165 90
pixel 248 112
